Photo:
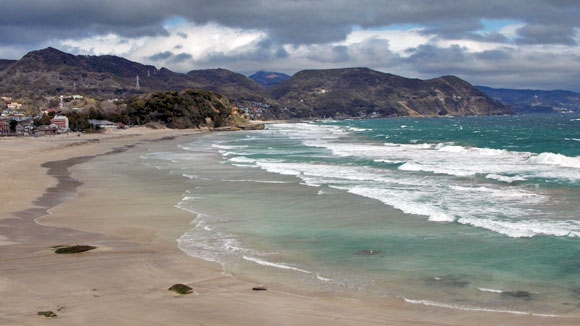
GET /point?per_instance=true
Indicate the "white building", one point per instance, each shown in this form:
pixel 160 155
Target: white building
pixel 61 121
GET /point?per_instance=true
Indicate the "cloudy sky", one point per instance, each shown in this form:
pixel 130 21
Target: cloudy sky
pixel 499 43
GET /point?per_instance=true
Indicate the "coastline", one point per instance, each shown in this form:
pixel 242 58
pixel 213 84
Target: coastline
pixel 124 281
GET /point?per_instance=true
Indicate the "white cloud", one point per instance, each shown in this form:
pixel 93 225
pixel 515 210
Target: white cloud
pixel 399 40
pixel 199 41
pixel 511 31
pixel 411 53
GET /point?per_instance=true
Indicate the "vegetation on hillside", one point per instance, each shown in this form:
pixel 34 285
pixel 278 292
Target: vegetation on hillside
pixel 185 109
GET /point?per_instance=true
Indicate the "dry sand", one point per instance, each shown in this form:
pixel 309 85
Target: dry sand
pixel 125 280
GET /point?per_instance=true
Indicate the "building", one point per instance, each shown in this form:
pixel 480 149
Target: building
pixel 4 127
pixel 102 123
pixel 46 130
pixel 24 126
pixel 61 121
pixel 14 106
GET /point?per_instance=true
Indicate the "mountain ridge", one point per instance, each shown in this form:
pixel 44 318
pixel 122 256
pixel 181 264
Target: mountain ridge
pixel 535 101
pixel 365 92
pixel 344 92
pixel 268 78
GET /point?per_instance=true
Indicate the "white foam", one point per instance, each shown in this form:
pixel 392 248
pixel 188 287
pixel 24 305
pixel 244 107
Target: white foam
pixel 190 176
pixel 324 279
pixel 417 167
pixel 402 204
pixel 242 159
pixel 526 228
pixel 451 159
pixel 256 181
pixel 556 159
pixel 471 200
pixel 450 306
pixel 276 265
pixel 500 192
pixel 220 146
pixel 504 178
pixel 472 205
pixel 356 129
pixel 490 290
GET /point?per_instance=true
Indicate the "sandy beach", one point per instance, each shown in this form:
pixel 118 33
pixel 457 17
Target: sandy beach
pixel 50 197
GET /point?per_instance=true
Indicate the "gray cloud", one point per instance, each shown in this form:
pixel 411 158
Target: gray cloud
pixel 295 22
pixel 32 24
pixel 161 56
pixel 180 58
pixel 547 34
pixel 497 68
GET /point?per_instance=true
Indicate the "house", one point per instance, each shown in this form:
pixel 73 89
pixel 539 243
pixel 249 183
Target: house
pixel 102 123
pixel 24 126
pixel 61 121
pixel 14 106
pixel 4 127
pixel 46 130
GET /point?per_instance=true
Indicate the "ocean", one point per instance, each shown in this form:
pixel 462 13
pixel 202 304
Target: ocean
pixel 474 213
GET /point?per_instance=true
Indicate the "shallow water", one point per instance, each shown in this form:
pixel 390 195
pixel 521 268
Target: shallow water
pixel 474 212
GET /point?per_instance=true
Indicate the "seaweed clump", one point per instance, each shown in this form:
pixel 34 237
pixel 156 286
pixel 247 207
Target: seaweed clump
pixel 181 289
pixel 47 314
pixel 72 249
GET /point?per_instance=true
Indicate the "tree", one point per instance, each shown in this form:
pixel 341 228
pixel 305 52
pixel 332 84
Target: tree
pixel 46 119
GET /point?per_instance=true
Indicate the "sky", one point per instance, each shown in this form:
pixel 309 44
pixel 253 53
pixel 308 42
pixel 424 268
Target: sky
pixel 498 43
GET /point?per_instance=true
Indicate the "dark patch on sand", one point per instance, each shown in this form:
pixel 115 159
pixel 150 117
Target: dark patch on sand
pixel 73 249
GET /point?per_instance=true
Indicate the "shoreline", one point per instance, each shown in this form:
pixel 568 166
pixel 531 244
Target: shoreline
pixel 124 281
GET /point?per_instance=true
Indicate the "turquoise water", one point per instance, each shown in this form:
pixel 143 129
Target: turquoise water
pixel 468 212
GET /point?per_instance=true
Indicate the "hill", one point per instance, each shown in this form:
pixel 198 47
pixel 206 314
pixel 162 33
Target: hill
pixel 535 101
pixel 5 63
pixel 233 85
pixel 184 109
pixel 269 78
pixel 366 93
pixel 350 92
pixel 50 71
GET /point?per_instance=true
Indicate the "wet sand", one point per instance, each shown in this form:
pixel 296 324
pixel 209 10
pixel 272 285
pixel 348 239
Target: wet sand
pixel 125 280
